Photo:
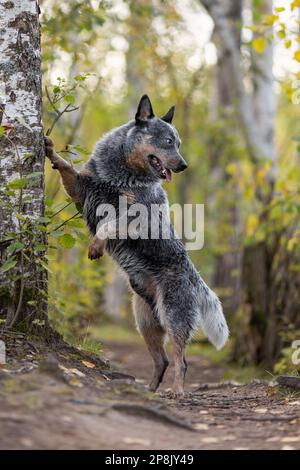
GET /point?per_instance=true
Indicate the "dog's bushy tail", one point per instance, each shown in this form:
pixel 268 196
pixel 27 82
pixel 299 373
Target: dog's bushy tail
pixel 212 320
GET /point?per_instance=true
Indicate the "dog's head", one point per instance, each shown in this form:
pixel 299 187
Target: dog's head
pixel 154 143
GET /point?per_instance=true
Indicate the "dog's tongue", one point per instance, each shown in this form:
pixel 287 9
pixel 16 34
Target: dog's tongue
pixel 168 175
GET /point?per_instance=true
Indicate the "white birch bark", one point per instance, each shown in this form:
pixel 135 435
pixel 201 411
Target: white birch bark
pixel 256 110
pixel 20 91
pixel 264 93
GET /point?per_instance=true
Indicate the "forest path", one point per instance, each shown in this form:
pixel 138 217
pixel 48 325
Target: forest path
pixel 65 401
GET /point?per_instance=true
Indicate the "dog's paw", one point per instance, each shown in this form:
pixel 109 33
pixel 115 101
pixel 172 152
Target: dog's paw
pixel 56 160
pixel 96 249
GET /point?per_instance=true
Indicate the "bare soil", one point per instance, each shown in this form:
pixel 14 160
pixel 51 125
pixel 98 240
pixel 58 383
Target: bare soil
pixel 65 399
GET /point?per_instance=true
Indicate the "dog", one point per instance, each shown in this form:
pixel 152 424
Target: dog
pixel 170 299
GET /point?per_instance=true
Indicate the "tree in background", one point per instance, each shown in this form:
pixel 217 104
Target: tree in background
pixel 269 280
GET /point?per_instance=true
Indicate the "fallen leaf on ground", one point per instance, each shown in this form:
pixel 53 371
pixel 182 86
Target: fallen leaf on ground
pixel 26 442
pixel 137 440
pixel 229 437
pixel 200 426
pixel 72 371
pixel 291 439
pixel 261 410
pixel 273 439
pixel 209 440
pixel 75 382
pixel 67 419
pixel 88 364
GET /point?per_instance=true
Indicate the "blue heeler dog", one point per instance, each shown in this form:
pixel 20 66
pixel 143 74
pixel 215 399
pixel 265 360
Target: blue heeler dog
pixel 169 296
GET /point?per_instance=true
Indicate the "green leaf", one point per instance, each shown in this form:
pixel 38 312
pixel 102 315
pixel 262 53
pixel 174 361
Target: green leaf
pixel 40 247
pixel 49 202
pixel 56 233
pixel 76 223
pixel 80 78
pixel 41 228
pixel 1 131
pixel 14 247
pixel 69 99
pixel 44 265
pixel 67 241
pixel 9 193
pixel 18 183
pixel 20 216
pixel 43 220
pixel 9 264
pixel 50 257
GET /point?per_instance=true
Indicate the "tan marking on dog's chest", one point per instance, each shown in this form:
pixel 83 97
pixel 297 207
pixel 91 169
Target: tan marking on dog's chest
pixel 130 196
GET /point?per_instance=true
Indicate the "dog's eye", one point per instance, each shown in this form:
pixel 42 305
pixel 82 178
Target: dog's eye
pixel 169 141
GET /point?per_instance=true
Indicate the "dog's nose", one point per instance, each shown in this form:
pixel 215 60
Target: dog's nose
pixel 182 166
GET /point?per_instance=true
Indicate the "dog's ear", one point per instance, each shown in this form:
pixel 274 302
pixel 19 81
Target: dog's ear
pixel 168 117
pixel 144 111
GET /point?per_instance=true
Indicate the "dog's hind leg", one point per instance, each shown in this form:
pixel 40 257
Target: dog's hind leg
pixel 179 345
pixel 154 336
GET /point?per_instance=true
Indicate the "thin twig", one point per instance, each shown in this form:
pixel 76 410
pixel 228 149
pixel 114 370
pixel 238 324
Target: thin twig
pixel 60 210
pixel 68 109
pixel 64 223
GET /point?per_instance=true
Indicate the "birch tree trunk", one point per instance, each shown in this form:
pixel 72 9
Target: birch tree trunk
pixel 24 286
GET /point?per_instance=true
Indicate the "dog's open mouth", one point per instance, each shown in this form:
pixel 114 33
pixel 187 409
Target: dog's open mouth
pixel 160 169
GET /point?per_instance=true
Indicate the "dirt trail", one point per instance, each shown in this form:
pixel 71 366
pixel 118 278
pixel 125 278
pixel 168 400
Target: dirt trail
pixel 69 401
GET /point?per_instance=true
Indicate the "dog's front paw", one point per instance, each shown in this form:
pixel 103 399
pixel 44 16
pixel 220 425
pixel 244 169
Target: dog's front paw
pixel 56 160
pixel 96 249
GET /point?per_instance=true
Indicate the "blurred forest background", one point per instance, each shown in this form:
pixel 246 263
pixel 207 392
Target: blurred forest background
pixel 232 68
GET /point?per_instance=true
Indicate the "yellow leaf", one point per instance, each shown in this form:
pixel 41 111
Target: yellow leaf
pixel 295 4
pixel 297 55
pixel 288 43
pixel 259 44
pixel 252 224
pixel 292 243
pixel 88 364
pixel 281 34
pixel 279 9
pixel 261 175
pixel 269 20
pixel 231 169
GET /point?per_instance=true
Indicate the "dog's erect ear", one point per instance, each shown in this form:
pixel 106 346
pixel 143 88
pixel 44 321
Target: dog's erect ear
pixel 144 111
pixel 168 117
